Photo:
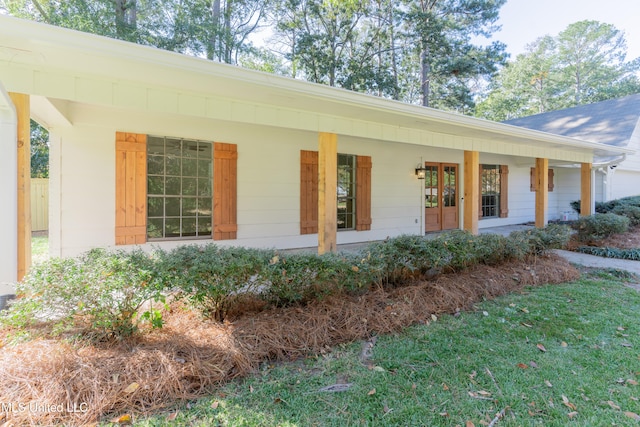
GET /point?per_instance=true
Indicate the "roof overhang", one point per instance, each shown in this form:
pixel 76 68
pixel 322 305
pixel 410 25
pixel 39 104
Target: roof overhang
pixel 59 66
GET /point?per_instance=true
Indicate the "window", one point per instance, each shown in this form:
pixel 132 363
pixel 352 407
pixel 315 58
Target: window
pixel 532 179
pixel 179 184
pixel 346 191
pixel 353 192
pixel 490 184
pixel 165 189
pixel 494 193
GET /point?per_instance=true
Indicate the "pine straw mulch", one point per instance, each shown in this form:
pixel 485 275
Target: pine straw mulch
pixel 189 357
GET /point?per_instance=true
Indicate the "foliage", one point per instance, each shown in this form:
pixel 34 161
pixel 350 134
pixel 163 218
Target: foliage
pixel 583 64
pixel 538 240
pixel 101 293
pixel 607 252
pixel 626 206
pixel 599 226
pixel 98 294
pixel 39 151
pixel 460 370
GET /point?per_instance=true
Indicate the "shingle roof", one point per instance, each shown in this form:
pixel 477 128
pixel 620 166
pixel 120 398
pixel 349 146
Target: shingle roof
pixel 609 122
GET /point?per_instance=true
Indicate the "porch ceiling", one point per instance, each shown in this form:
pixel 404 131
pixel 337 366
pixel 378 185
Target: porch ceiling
pixel 61 65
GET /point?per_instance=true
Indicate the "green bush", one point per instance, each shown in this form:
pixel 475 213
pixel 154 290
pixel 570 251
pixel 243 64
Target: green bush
pixel 212 279
pixel 630 211
pixel 609 206
pixel 101 293
pixel 599 226
pixel 607 252
pixel 98 294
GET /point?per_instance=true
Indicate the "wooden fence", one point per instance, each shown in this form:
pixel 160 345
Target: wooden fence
pixel 39 204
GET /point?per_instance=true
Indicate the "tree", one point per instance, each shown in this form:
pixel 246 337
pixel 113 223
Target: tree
pixel 585 63
pixel 440 33
pixel 39 151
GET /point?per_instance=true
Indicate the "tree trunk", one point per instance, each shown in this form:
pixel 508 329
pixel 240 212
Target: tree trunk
pixel 126 18
pixel 212 49
pixel 425 69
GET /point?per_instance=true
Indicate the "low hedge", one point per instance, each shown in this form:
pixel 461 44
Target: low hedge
pixel 597 227
pixel 109 294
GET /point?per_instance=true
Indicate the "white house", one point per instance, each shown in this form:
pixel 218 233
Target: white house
pixel 150 147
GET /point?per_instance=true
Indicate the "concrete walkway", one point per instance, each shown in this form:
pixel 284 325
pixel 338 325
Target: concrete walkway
pixel 600 262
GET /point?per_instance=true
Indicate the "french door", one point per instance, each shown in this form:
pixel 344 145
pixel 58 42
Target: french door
pixel 441 196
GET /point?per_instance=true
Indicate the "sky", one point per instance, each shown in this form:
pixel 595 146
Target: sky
pixel 523 21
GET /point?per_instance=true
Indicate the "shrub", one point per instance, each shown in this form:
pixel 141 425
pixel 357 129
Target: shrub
pixel 538 240
pixel 607 252
pixel 211 278
pixel 599 226
pixel 98 294
pixel 630 211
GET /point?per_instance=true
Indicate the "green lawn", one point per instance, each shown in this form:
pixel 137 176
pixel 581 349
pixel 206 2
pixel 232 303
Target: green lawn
pixel 553 356
pixel 39 248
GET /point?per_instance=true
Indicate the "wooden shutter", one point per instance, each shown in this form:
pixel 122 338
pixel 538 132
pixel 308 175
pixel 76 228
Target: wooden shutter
pixel 363 193
pixel 225 191
pixel 480 215
pixel 308 192
pixel 504 191
pixel 532 179
pixel 131 188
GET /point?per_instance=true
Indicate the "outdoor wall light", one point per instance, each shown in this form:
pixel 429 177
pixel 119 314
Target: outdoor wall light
pixel 421 171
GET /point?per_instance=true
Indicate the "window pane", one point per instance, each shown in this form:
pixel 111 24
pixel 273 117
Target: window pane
pixel 155 165
pixel 173 147
pixel 204 206
pixel 204 226
pixel 155 207
pixel 204 187
pixel 205 150
pixel 155 145
pixel 190 149
pixel 154 228
pixel 189 186
pixel 189 206
pixel 155 185
pixel 173 186
pixel 188 226
pixel 204 168
pixel 172 227
pixel 346 191
pixel 173 166
pixel 172 206
pixel 189 167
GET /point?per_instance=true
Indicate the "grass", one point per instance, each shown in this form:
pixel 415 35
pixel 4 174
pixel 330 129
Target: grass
pixel 552 356
pixel 39 248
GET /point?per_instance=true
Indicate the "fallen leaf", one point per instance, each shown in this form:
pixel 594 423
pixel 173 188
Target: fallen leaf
pixel 572 414
pixel 564 344
pixel 533 364
pixel 568 404
pixel 620 328
pixel 632 382
pixel 469 424
pixel 445 387
pixel 336 388
pixel 215 404
pixel 632 415
pixel 444 414
pixel 172 417
pixel 379 369
pixel 434 317
pixel 527 325
pixel 484 393
pixel 250 389
pixel 485 313
pixel 385 409
pixel 132 387
pixel 548 383
pixel 122 419
pixel 613 405
pixel 278 400
pixel 414 386
pixel 371 392
pixel 522 366
pixel 541 348
pixel 524 310
pixel 626 344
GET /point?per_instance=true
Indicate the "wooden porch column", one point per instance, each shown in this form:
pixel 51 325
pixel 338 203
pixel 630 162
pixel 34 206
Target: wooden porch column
pixel 471 190
pixel 542 191
pixel 585 189
pixel 22 105
pixel 327 192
